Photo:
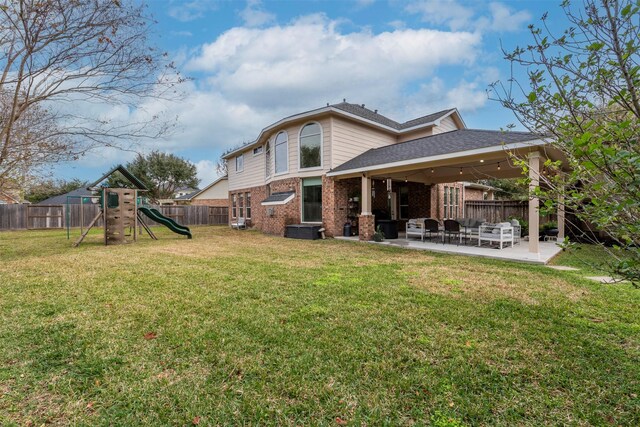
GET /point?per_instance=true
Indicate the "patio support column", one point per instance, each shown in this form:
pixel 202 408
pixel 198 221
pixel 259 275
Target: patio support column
pixel 534 202
pixel 561 232
pixel 366 221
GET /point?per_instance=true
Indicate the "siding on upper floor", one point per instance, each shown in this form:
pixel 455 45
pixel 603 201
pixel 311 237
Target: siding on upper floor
pixel 252 174
pixel 219 191
pixel 255 165
pixel 446 125
pixel 352 139
pixel 415 135
pixel 342 140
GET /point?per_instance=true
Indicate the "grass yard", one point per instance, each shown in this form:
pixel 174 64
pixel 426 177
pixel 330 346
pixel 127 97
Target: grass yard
pixel 241 328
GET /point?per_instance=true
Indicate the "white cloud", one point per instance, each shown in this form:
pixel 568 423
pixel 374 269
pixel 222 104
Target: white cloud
pixel 397 24
pixel 310 62
pixel 442 12
pixel 206 172
pixel 504 19
pixel 186 11
pixel 254 14
pixel 500 18
pixel 364 3
pixel 251 77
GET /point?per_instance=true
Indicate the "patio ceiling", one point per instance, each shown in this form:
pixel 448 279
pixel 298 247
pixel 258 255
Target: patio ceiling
pixel 463 155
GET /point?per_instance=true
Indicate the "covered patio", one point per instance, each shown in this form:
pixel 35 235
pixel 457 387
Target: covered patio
pixel 519 252
pixel 460 155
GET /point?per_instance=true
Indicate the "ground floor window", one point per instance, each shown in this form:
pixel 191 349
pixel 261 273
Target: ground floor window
pixel 451 202
pixel 240 205
pixel 247 200
pixel 312 200
pixel 234 205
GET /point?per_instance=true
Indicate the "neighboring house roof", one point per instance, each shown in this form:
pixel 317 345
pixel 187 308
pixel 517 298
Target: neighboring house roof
pixel 435 145
pixel 278 198
pixel 359 113
pixel 128 175
pixel 61 199
pixel 478 186
pixel 187 196
pixel 190 196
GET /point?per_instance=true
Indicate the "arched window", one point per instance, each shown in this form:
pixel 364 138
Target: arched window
pixel 267 159
pixel 282 154
pixel 311 146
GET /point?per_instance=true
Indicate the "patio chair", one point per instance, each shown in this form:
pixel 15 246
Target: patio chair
pixel 452 228
pixel 431 226
pixel 415 228
pixel 501 233
pixel 240 224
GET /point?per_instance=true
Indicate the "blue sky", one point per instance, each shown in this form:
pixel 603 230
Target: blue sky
pixel 254 62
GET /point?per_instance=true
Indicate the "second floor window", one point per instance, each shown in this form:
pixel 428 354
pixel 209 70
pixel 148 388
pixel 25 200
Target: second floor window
pixel 282 154
pixel 240 163
pixel 267 159
pixel 310 146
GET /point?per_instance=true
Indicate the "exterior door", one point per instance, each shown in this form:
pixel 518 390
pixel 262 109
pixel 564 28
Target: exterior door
pixel 394 205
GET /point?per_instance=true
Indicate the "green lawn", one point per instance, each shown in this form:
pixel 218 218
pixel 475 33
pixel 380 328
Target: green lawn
pixel 241 328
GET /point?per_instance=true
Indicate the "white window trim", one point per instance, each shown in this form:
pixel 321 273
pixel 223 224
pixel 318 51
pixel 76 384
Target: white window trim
pixel 237 157
pixel 261 147
pixel 247 193
pixel 275 173
pixel 300 169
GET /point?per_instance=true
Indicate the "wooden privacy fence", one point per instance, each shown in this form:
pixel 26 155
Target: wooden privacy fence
pixel 20 217
pixel 500 210
pixel 496 210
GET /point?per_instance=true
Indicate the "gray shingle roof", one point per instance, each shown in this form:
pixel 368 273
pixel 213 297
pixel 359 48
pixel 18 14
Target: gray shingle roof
pixel 187 196
pixel 435 145
pixel 278 197
pixel 62 198
pixel 365 113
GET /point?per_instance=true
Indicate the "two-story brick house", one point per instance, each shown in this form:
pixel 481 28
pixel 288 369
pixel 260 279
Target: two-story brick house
pixel 334 164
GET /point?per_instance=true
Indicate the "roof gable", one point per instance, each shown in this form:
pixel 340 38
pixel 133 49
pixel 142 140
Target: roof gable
pixel 190 196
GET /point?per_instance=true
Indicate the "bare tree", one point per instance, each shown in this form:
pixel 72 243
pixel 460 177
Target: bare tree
pixel 65 64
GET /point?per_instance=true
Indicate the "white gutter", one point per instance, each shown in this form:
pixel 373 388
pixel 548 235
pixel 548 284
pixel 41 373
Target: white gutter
pixel 485 150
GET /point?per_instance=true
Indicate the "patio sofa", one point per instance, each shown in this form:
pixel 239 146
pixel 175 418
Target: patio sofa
pixel 471 226
pixel 500 233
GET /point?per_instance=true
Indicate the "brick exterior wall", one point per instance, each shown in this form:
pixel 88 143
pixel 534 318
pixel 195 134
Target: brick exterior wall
pixel 424 201
pixel 366 226
pixel 211 202
pixel 271 219
pixel 335 203
pixel 437 200
pixel 473 194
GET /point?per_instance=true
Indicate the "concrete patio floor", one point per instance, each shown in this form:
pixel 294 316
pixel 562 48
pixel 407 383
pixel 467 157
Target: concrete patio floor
pixel 519 252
